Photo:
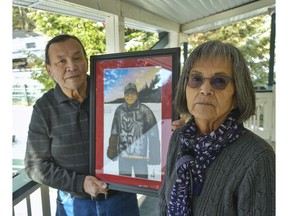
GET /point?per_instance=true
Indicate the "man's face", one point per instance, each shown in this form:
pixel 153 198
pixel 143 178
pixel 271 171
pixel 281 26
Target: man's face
pixel 68 64
pixel 130 97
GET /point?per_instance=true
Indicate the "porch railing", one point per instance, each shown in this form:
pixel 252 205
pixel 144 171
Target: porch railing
pixel 23 187
pixel 263 122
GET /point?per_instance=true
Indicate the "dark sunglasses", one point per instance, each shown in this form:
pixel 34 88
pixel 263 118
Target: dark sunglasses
pixel 218 82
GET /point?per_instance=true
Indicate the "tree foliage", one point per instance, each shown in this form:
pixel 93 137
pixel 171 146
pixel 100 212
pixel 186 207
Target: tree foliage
pixel 91 33
pixel 21 20
pixel 252 37
pixel 151 93
pixel 136 40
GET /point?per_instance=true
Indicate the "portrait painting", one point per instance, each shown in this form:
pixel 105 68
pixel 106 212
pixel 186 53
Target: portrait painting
pixel 131 99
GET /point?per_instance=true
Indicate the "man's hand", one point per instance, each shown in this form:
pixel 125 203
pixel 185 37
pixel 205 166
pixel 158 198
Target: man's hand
pixel 178 123
pixel 93 186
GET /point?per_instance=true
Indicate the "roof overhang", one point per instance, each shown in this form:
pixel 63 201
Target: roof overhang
pixel 141 18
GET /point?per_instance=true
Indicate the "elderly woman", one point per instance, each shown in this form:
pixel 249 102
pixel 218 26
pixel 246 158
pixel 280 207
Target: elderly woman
pixel 215 166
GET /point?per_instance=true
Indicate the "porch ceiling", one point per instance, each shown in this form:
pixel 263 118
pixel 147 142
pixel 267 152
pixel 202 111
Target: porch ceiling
pixel 184 16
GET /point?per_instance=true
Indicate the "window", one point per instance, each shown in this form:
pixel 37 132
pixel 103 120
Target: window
pixel 30 45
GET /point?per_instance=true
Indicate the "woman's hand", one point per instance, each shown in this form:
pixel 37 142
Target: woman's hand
pixel 178 123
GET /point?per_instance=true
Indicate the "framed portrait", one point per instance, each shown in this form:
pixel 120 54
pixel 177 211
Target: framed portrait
pixel 131 114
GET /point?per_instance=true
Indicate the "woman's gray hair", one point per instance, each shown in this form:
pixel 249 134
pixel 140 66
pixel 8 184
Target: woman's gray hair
pixel 217 50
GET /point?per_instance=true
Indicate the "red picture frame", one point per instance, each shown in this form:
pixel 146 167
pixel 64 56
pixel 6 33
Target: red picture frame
pixel 157 70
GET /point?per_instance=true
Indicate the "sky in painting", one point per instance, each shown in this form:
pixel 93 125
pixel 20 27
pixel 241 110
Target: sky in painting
pixel 116 79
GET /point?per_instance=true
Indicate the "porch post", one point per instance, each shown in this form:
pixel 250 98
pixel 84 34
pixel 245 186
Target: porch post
pixel 115 34
pixel 184 42
pixel 174 39
pixel 272 50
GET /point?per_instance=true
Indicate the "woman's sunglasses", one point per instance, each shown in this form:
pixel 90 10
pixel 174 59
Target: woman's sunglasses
pixel 218 82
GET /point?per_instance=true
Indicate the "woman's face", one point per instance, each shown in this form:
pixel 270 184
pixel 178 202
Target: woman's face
pixel 208 105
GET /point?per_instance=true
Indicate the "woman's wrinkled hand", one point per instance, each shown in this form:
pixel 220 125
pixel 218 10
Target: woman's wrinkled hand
pixel 178 123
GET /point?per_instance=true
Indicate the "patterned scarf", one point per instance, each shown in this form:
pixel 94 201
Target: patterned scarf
pixel 195 155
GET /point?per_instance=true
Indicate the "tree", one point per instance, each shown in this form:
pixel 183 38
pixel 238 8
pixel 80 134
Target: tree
pixel 252 37
pixel 20 19
pixel 137 40
pixel 91 34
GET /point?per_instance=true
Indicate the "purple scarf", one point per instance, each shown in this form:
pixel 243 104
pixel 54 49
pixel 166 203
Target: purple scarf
pixel 195 155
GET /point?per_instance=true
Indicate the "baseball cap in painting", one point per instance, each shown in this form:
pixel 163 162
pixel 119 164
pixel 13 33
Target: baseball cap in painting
pixel 129 87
